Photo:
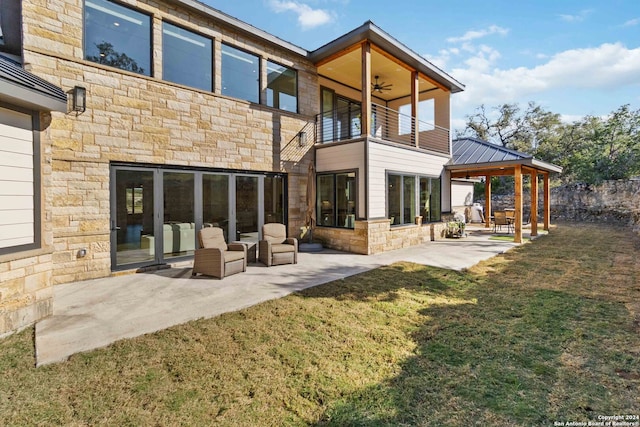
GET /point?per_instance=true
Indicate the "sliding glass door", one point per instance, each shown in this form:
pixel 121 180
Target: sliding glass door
pixel 178 226
pixel 248 221
pixel 132 216
pixel 156 213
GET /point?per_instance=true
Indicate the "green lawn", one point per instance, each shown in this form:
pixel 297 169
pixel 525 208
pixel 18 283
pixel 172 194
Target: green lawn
pixel 549 331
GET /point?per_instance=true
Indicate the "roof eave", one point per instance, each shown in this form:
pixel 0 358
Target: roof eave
pixel 369 31
pixel 31 99
pixel 211 13
pixel 530 162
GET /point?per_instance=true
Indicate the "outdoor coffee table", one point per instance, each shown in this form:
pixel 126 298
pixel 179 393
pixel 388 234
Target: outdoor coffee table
pixel 252 248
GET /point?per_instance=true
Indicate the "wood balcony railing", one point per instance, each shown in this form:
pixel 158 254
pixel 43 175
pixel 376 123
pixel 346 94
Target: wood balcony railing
pixel 386 124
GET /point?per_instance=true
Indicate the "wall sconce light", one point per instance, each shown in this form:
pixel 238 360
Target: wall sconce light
pixel 78 99
pixel 302 138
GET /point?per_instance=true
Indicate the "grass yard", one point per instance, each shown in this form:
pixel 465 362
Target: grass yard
pixel 548 332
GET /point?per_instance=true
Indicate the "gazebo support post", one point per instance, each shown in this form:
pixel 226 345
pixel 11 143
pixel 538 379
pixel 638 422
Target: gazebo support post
pixel 547 202
pixel 517 238
pixel 534 203
pixel 487 201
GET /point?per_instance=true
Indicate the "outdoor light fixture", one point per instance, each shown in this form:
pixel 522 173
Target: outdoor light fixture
pixel 78 99
pixel 302 138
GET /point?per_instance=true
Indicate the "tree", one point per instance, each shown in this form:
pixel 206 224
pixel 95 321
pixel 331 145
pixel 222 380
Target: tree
pixel 511 127
pixel 606 148
pixel 109 56
pixel 589 150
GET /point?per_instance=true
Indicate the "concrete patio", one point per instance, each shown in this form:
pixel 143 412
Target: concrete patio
pixel 94 313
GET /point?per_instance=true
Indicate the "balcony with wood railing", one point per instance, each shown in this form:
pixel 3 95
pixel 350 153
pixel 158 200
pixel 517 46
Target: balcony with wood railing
pixel 386 124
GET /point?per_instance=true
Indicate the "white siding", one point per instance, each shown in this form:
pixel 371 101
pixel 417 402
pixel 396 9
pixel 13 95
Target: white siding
pixel 461 193
pixel 386 158
pixel 16 179
pixel 342 157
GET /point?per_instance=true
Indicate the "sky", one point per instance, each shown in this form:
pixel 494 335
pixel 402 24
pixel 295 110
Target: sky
pixel 572 57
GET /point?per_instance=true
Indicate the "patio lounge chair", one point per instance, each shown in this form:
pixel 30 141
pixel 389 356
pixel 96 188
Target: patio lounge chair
pixel 500 219
pixel 275 248
pixel 216 258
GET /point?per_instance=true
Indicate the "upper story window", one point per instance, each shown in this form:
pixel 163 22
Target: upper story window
pixel 117 36
pixel 187 58
pixel 11 28
pixel 1 34
pixel 282 87
pixel 240 74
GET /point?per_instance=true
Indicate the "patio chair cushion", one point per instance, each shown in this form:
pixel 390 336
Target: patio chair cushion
pixel 274 232
pixel 277 248
pixel 233 256
pixel 212 237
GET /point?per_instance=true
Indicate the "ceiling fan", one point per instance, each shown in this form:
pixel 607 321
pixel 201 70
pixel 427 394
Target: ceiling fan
pixel 380 87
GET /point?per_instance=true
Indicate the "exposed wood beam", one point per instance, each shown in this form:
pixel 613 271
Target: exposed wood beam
pixel 365 107
pixel 487 201
pixel 415 94
pixel 481 172
pixel 547 202
pixel 534 203
pixel 518 202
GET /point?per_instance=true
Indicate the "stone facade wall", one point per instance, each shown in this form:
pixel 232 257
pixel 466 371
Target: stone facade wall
pixel 143 120
pixel 26 294
pixel 376 235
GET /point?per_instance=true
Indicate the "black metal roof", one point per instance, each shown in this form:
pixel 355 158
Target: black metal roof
pixel 23 88
pixel 474 152
pixel 468 151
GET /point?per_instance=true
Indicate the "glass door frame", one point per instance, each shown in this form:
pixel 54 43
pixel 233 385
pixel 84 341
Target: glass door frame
pixel 158 207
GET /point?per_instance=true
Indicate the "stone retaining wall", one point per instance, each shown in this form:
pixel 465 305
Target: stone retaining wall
pixel 614 202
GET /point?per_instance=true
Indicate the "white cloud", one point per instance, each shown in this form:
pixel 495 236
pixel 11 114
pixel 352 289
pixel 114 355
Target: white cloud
pixel 476 34
pixel 307 17
pixel 604 68
pixel 576 18
pixel 631 22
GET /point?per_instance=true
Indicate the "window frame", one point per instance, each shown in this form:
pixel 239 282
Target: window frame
pixel 334 201
pixel 37 183
pixel 259 72
pixel 151 72
pixel 295 71
pixel 416 195
pixel 213 55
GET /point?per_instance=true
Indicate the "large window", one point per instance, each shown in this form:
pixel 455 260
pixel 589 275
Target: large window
pixel 240 74
pixel 186 57
pixel 117 36
pixel 402 198
pixel 430 199
pixel 282 87
pixel 340 117
pixel 336 199
pixel 273 199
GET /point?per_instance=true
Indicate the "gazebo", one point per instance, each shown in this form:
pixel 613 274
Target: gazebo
pixel 473 158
